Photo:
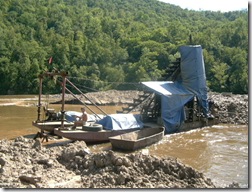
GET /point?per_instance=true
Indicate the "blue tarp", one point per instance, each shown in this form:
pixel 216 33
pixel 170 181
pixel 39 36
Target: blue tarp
pixel 193 73
pixel 191 82
pixel 110 122
pixel 121 122
pixel 173 98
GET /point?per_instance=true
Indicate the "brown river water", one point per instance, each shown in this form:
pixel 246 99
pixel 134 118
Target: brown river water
pixel 220 151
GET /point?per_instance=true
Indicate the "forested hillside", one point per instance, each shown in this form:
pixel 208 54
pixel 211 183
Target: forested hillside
pixel 113 44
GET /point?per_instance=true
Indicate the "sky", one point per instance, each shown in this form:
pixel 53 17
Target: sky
pixel 211 5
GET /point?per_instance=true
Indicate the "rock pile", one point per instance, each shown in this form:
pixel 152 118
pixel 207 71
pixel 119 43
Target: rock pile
pixel 113 97
pixel 110 97
pixel 231 108
pixel 25 163
pixel 108 170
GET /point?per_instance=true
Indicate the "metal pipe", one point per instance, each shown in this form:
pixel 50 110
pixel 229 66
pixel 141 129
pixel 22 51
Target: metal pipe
pixel 63 100
pixel 83 103
pixel 39 99
pixel 86 96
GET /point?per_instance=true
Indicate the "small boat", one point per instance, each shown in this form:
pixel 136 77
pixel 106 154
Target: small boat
pixel 90 134
pixel 137 139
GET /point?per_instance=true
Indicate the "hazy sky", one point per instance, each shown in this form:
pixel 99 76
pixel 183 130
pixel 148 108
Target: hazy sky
pixel 212 5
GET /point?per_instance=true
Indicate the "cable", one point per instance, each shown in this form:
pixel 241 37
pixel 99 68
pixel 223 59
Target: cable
pixel 110 82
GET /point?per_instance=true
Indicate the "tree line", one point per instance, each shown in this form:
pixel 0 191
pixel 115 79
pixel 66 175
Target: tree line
pixel 114 44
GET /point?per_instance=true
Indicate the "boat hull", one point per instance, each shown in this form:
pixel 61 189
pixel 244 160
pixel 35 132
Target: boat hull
pixel 187 126
pixel 90 136
pixel 137 139
pixel 49 126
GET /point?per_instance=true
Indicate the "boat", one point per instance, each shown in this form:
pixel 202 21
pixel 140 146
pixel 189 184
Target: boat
pixel 53 120
pixel 178 103
pixel 100 131
pixel 137 139
pixel 89 136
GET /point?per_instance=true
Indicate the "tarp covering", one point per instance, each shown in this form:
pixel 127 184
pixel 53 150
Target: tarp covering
pixel 191 82
pixel 71 116
pixel 193 73
pixel 121 122
pixel 167 88
pixel 173 98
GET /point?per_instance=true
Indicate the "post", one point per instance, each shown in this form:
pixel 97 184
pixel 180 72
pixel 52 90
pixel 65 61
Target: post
pixel 39 100
pixel 63 99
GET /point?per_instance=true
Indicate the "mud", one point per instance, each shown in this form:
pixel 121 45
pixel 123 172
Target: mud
pixel 26 163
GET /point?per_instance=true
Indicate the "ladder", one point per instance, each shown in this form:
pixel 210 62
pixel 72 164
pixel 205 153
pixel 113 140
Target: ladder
pixel 137 102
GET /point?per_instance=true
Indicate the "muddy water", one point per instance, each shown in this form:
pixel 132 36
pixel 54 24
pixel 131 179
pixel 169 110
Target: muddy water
pixel 220 152
pixel 18 112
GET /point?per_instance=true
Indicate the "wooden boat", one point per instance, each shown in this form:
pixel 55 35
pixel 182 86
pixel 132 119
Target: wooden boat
pixel 137 139
pixel 89 136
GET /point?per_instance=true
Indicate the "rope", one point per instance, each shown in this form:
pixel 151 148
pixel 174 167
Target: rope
pixel 86 96
pixel 109 82
pixel 83 103
pixel 135 84
pixel 85 87
pixel 80 100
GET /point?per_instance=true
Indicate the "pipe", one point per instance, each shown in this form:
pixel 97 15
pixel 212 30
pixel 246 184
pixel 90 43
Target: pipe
pixel 39 99
pixel 63 100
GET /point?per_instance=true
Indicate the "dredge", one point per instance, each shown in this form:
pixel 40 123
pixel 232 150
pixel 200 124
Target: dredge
pixel 178 102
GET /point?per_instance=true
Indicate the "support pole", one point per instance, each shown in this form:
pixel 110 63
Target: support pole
pixel 39 99
pixel 63 100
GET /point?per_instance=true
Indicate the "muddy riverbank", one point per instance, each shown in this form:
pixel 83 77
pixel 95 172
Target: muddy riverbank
pixel 26 163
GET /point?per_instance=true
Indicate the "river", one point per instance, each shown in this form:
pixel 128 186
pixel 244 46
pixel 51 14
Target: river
pixel 220 151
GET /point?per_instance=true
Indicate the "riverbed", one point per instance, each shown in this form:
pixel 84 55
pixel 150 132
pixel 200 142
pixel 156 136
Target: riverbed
pixel 220 151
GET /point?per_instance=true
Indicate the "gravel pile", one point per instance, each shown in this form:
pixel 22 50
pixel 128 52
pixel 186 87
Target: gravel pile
pixel 231 108
pixel 108 170
pixel 26 163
